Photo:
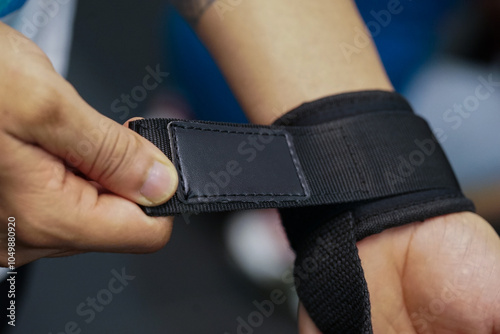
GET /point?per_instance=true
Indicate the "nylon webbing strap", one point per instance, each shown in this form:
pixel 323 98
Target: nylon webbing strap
pixel 224 167
pixel 329 279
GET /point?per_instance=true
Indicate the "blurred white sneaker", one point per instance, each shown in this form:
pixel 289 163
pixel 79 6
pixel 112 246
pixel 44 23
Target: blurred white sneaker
pixel 257 243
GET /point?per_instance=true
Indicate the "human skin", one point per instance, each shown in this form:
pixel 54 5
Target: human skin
pixel 437 276
pixel 69 176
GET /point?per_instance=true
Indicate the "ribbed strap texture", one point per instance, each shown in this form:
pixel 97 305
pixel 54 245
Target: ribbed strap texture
pixel 330 281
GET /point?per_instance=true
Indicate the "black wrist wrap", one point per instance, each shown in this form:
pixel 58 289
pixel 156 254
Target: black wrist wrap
pixel 340 169
pixel 328 272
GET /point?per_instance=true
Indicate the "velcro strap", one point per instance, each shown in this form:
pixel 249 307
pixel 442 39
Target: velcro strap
pixel 225 167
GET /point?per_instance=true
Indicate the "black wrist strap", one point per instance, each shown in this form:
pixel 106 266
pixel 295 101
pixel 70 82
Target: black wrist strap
pixel 225 167
pixel 340 169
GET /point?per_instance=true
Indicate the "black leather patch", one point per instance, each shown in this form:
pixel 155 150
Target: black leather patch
pixel 221 163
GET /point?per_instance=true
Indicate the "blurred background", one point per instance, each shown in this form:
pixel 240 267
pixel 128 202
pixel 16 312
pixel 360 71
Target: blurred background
pixel 217 269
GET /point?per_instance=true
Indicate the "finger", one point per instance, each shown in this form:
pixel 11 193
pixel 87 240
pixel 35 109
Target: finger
pixel 123 227
pixel 109 223
pixel 126 124
pixel 89 221
pixel 114 156
pixel 306 325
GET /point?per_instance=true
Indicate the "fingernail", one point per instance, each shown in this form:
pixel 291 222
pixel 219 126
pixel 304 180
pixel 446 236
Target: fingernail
pixel 161 183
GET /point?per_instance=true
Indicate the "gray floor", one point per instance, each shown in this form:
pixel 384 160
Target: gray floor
pixel 188 287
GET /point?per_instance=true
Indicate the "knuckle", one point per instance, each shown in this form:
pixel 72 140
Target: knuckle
pixel 45 108
pixel 37 95
pixel 114 157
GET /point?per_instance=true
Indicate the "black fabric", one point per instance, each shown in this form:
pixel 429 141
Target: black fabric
pixel 335 107
pixel 365 163
pixel 330 281
pixel 377 214
pixel 361 157
pixel 335 294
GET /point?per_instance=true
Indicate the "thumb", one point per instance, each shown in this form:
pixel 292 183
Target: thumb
pixel 112 155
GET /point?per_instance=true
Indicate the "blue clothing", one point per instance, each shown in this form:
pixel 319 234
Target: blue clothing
pixel 197 75
pixel 9 6
pixel 405 39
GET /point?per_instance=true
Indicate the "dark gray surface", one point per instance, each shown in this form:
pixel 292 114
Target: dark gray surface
pixel 188 287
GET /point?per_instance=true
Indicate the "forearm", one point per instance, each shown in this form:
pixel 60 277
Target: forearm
pixel 278 54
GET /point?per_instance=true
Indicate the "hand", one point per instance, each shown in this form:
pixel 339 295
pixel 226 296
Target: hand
pixel 439 276
pixel 46 127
